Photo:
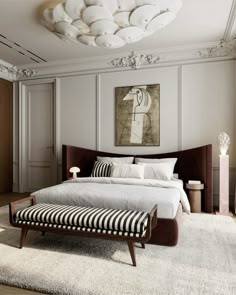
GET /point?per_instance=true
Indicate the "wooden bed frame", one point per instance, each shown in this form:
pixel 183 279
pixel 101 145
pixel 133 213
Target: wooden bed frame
pixel 194 163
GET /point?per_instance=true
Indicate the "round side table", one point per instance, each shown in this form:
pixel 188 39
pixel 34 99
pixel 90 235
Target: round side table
pixel 194 196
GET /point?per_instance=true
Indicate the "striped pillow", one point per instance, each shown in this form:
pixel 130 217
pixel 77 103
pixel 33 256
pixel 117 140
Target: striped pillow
pixel 101 169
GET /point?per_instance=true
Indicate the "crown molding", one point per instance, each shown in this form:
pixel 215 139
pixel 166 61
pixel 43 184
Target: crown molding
pixel 12 73
pixel 161 57
pixel 4 72
pixel 223 49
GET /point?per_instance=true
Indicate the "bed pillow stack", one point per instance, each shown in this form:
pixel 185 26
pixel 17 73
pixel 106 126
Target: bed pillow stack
pixel 102 167
pixel 161 169
pixel 127 171
pixel 144 168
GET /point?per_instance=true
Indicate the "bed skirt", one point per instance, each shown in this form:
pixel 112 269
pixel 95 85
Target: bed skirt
pixel 167 231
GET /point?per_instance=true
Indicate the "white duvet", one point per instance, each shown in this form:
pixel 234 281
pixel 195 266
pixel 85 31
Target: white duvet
pixel 118 193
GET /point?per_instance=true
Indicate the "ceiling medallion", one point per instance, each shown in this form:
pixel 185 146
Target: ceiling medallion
pixel 224 48
pixel 135 60
pixel 17 73
pixel 109 23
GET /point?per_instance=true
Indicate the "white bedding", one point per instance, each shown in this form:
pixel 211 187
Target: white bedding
pixel 118 193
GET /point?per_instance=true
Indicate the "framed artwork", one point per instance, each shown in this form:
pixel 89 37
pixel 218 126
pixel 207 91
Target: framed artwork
pixel 137 115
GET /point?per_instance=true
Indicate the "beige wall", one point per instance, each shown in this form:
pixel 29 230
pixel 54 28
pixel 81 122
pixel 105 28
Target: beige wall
pixel 197 102
pixel 209 104
pixel 78 111
pixel 209 107
pixel 169 115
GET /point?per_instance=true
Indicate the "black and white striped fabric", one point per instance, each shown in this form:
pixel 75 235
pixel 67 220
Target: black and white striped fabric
pixel 101 169
pixel 101 220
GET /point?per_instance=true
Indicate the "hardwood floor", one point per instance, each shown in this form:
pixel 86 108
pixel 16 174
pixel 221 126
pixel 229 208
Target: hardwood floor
pixel 5 199
pixel 7 290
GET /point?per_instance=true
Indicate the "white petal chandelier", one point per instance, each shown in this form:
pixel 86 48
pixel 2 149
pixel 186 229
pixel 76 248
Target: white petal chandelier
pixel 109 23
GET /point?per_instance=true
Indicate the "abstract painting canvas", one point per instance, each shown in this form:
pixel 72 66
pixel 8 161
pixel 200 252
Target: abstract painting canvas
pixel 137 115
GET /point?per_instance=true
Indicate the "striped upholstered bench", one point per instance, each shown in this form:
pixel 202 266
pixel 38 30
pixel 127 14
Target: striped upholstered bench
pixel 132 226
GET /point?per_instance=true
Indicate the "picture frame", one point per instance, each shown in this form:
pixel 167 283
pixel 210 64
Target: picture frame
pixel 137 115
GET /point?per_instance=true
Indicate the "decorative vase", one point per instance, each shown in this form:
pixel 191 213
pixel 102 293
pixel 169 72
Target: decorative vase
pixel 224 142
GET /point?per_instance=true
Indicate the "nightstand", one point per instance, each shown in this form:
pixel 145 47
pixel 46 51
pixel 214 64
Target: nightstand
pixel 194 196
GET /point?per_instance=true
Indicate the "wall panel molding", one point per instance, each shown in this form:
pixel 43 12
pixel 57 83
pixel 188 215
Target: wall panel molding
pixel 169 135
pixel 22 109
pixel 15 186
pixel 57 123
pixel 180 108
pixel 98 111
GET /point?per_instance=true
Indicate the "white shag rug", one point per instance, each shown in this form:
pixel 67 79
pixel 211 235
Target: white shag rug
pixel 203 262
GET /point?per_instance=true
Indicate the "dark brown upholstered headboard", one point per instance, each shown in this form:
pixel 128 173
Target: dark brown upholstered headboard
pixel 192 164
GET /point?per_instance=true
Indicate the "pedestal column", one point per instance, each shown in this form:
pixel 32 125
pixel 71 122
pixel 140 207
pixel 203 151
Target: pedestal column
pixel 224 184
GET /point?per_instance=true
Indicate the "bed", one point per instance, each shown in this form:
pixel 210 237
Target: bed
pixel 191 164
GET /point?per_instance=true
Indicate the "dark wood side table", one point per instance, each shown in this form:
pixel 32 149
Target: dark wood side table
pixel 194 196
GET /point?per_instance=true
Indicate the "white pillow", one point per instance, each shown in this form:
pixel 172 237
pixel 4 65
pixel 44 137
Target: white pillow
pixel 163 160
pixel 161 171
pixel 127 171
pixel 117 160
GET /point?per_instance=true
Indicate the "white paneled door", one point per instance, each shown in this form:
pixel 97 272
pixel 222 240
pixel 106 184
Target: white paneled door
pixel 38 137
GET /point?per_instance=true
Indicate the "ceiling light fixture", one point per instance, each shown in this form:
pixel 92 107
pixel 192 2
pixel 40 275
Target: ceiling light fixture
pixel 109 23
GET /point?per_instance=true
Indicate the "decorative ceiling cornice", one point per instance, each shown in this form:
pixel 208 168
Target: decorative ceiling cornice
pixel 224 48
pixel 164 57
pixel 135 60
pixel 16 73
pixel 22 73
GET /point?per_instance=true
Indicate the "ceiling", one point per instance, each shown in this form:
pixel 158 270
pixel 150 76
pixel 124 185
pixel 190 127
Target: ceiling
pixel 23 40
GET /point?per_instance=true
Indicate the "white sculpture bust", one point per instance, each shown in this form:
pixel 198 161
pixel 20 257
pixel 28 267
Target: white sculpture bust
pixel 224 142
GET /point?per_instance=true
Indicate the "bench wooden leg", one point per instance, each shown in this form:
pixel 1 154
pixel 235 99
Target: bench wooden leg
pixel 143 245
pixel 132 252
pixel 24 232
